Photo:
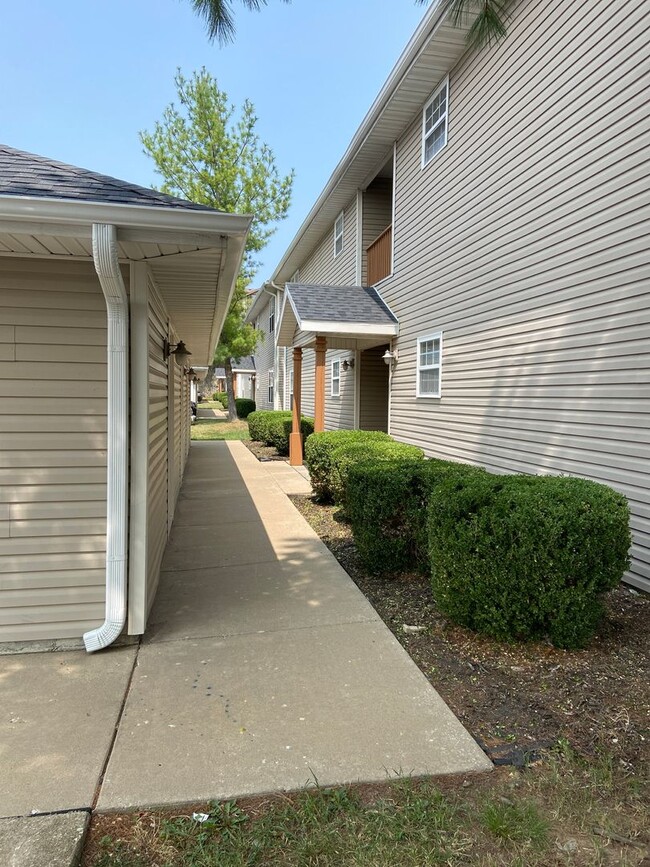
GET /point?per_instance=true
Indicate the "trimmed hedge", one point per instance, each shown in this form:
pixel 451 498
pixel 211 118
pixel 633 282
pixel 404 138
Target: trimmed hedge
pixel 347 455
pixel 257 425
pixel 279 428
pixel 222 397
pixel 244 407
pixel 318 455
pixel 523 557
pixel 274 426
pixel 386 504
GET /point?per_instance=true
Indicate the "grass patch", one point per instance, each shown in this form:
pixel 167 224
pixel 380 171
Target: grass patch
pixel 510 818
pixel 219 429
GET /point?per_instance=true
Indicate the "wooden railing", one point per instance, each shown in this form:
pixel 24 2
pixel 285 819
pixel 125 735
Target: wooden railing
pixel 380 256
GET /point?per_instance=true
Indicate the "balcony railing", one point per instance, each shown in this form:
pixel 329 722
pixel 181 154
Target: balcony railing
pixel 380 256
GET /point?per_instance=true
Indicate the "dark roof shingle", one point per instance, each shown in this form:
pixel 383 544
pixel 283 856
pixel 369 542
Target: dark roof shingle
pixel 361 304
pixel 25 174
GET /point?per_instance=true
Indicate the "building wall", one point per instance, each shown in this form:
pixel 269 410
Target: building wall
pixel 52 449
pixel 265 354
pixel 525 241
pixel 373 389
pixel 377 216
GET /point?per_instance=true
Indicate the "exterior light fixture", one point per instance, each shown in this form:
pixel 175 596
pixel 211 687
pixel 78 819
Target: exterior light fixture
pixel 348 364
pixel 180 352
pixel 390 357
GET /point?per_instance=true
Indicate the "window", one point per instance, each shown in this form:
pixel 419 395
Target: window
pixel 270 394
pixel 272 316
pixel 296 276
pixel 429 364
pixel 336 378
pixel 434 124
pixel 338 235
pixel 291 389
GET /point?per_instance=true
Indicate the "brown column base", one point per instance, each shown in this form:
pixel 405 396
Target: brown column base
pixel 295 449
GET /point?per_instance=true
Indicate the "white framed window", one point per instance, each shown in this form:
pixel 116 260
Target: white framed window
pixel 271 384
pixel 434 123
pixel 291 388
pixel 338 235
pixel 296 276
pixel 429 365
pixel 272 316
pixel 336 378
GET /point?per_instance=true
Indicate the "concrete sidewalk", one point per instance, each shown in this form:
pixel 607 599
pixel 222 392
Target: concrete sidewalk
pixel 263 668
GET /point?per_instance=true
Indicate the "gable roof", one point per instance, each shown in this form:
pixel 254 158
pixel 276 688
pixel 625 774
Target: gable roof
pixel 48 209
pixel 434 49
pixel 33 176
pixel 343 313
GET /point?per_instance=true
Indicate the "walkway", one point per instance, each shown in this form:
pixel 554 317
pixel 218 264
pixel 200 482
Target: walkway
pixel 263 668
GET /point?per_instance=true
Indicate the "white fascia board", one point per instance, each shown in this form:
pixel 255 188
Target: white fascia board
pixel 83 214
pixel 349 328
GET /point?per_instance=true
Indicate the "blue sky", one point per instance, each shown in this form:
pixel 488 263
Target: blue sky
pixel 81 79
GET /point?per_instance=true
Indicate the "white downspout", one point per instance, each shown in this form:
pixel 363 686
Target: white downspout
pixel 107 266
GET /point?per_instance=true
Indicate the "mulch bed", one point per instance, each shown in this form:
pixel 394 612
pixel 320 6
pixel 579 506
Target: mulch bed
pixel 263 452
pixel 517 699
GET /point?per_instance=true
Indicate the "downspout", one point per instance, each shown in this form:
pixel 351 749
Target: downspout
pixel 110 278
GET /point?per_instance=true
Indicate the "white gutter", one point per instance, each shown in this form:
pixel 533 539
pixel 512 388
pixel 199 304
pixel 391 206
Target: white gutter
pixel 105 257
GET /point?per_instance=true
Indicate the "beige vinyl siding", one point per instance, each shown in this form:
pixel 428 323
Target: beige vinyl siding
pixel 525 241
pixel 52 449
pixel 157 516
pixel 174 432
pixel 373 389
pixel 377 216
pixel 339 411
pixel 264 355
pixel 322 267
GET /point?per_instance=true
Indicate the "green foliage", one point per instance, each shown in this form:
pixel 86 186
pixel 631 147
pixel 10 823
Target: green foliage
pixel 218 17
pixel 318 455
pixel 523 557
pixel 489 19
pixel 347 455
pixel 257 425
pixel 245 407
pixel 279 428
pixel 520 822
pixel 222 397
pixel 386 503
pixel 208 154
pixel 273 427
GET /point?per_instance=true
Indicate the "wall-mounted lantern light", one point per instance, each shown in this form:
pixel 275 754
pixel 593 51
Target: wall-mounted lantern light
pixel 390 357
pixel 348 364
pixel 180 352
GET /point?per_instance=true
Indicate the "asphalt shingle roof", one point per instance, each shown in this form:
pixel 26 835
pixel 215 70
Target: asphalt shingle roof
pixel 360 304
pixel 25 174
pixel 244 364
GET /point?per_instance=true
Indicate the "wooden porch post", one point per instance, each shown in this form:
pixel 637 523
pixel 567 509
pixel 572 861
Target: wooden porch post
pixel 295 437
pixel 319 395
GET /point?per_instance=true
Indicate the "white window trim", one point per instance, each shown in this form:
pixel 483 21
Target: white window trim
pixel 291 388
pixel 335 379
pixel 444 119
pixel 338 235
pixel 272 316
pixel 271 387
pixel 436 335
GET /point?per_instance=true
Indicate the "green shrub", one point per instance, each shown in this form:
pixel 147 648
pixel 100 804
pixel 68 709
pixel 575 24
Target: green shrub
pixel 523 557
pixel 347 455
pixel 386 503
pixel 257 425
pixel 279 428
pixel 244 407
pixel 222 397
pixel 274 426
pixel 318 454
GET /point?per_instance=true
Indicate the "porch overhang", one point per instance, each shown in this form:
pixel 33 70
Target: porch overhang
pixel 349 317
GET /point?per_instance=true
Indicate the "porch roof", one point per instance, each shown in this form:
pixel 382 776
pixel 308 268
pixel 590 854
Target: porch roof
pixel 350 317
